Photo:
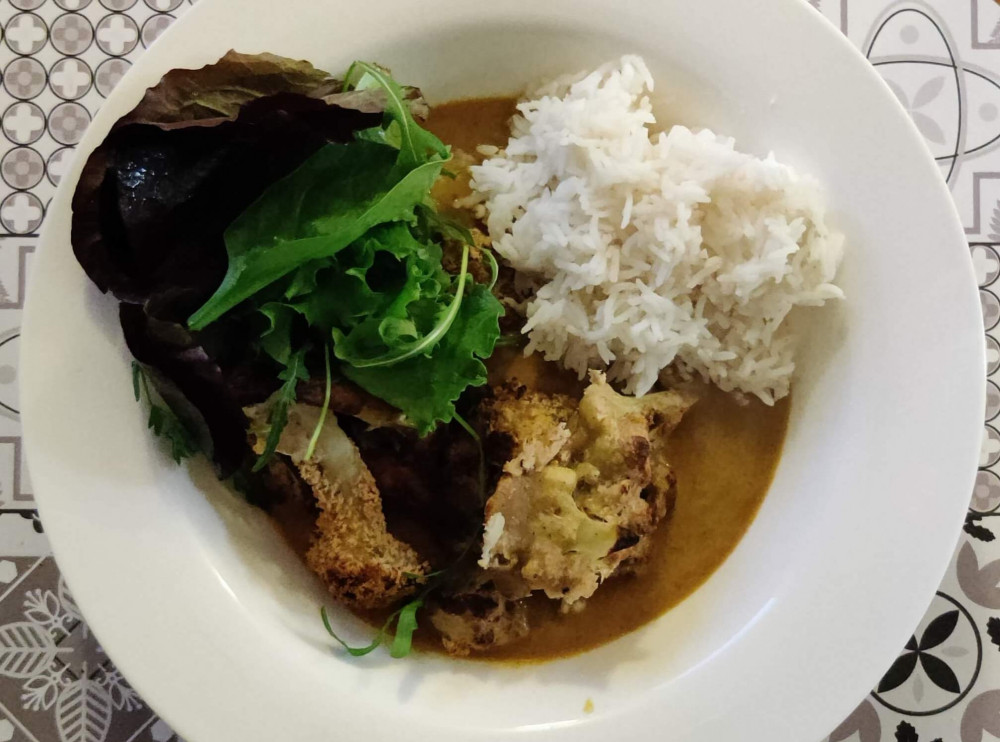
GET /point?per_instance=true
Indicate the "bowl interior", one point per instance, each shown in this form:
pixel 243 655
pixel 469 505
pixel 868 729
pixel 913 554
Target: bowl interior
pixel 451 64
pixel 829 575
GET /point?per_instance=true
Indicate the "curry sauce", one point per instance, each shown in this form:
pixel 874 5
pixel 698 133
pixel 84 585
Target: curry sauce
pixel 724 455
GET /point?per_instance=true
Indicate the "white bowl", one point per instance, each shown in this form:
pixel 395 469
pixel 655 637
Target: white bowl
pixel 215 622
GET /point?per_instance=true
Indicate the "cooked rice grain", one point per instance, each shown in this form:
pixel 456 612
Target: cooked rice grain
pixel 651 249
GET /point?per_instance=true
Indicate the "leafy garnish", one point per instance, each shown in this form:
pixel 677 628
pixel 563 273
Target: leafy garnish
pixel 422 346
pixel 406 624
pixel 426 387
pixel 165 424
pixel 276 341
pixel 220 90
pixel 311 448
pixel 284 398
pixel 333 199
pixel 155 198
pixel 414 142
pixel 405 618
pixel 358 651
pixel 357 249
pixel 163 421
pixel 252 209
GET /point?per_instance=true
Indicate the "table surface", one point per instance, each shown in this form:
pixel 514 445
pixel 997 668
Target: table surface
pixel 60 58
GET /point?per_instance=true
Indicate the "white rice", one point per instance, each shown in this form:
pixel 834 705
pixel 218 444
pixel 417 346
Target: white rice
pixel 647 249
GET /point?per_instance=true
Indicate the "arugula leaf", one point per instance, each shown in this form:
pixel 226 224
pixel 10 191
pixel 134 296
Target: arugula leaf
pixel 330 201
pixel 284 398
pixel 137 380
pixel 314 439
pixel 358 651
pixel 414 142
pixel 406 624
pixel 165 424
pixel 425 387
pixel 303 281
pixel 163 421
pixel 405 619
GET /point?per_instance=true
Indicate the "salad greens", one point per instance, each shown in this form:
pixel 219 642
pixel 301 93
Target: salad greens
pixel 405 617
pixel 261 224
pixel 295 371
pixel 347 249
pixel 163 421
pixel 331 200
pixel 337 196
pixel 255 207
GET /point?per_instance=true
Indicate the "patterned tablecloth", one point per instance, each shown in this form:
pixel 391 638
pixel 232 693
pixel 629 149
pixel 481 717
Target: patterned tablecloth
pixel 60 58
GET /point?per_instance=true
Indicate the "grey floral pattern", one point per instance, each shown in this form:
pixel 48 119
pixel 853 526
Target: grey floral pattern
pixel 991 308
pixel 923 96
pixel 70 78
pixel 939 665
pixel 25 33
pixel 67 122
pixel 21 213
pixel 22 168
pixel 57 164
pixel 118 5
pixel 23 123
pixel 117 34
pixel 24 78
pixel 109 73
pixel 986 493
pixel 59 59
pixel 154 26
pixel 72 34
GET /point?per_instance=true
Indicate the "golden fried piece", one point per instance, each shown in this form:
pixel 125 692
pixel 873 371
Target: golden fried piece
pixel 478 619
pixel 583 489
pixel 361 563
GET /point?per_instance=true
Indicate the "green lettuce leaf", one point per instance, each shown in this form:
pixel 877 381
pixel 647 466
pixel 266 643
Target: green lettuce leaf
pixel 276 341
pixel 425 387
pixel 333 199
pixel 328 203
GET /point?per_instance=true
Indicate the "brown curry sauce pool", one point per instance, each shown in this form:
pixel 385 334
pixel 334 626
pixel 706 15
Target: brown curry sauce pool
pixel 724 454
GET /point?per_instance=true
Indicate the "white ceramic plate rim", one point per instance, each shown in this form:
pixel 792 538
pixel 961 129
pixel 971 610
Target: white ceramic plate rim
pixel 243 683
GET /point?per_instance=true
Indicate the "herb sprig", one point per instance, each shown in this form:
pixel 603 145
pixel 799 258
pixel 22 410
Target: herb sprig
pixel 281 401
pixel 162 420
pixel 405 617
